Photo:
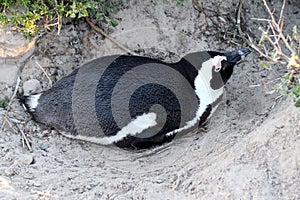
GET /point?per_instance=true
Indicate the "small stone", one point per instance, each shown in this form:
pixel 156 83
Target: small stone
pixel 25 159
pixel 37 184
pixel 44 146
pixel 89 187
pixel 28 175
pixel 31 86
pixel 159 181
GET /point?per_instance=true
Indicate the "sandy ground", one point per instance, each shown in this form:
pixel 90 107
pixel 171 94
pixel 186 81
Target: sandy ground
pixel 250 150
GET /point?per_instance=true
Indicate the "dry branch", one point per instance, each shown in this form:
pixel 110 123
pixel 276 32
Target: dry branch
pixel 100 31
pixel 10 102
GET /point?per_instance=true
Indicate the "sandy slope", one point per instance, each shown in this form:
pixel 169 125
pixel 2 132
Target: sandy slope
pixel 250 151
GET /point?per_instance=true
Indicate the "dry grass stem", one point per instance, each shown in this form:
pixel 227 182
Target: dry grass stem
pixel 24 138
pixel 49 79
pixel 100 31
pixel 10 102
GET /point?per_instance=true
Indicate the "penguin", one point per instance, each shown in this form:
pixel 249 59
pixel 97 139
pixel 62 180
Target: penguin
pixel 135 102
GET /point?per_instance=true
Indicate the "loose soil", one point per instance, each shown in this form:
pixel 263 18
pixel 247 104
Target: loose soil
pixel 250 149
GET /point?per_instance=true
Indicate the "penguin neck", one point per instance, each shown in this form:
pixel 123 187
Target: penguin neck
pixel 206 94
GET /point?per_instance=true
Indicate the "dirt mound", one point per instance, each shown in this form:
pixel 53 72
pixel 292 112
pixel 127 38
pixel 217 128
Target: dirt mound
pixel 250 150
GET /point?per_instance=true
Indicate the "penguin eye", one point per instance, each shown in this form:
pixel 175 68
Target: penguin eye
pixel 218 68
pixel 218 62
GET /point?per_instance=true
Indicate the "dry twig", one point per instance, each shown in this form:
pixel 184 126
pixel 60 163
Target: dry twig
pixel 273 34
pixel 201 10
pixel 6 119
pixel 24 138
pixel 100 31
pixel 280 48
pixel 207 16
pixel 238 20
pixel 49 79
pixel 10 102
pixel 58 23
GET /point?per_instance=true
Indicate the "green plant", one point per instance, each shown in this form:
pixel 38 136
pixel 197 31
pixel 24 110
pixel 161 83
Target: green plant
pixel 291 87
pixel 280 48
pixel 4 102
pixel 26 15
pixel 178 2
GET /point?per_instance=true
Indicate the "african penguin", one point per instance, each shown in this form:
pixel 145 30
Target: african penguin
pixel 135 102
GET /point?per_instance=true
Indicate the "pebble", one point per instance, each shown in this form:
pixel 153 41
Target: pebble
pixel 18 161
pixel 44 146
pixel 31 86
pixel 24 159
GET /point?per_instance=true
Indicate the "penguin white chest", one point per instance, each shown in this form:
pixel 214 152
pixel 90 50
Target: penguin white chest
pixel 206 94
pixel 203 81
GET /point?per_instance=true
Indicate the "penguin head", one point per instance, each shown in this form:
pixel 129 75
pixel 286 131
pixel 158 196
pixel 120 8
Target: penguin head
pixel 230 59
pixel 220 64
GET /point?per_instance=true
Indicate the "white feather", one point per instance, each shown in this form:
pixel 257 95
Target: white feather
pixel 32 101
pixel 135 127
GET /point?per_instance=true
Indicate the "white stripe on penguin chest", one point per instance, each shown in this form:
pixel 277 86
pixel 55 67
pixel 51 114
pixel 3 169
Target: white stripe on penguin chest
pixel 135 127
pixel 206 94
pixel 204 91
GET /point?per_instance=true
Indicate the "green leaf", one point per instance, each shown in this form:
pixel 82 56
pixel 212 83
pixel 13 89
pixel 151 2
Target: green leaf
pixel 265 65
pixel 295 33
pixel 4 102
pixel 262 40
pixel 27 21
pixel 73 15
pixel 179 2
pixel 113 23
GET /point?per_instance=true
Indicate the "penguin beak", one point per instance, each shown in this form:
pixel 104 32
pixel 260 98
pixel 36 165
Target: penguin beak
pixel 234 57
